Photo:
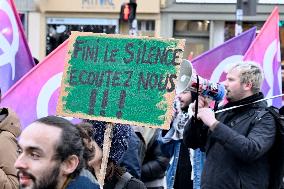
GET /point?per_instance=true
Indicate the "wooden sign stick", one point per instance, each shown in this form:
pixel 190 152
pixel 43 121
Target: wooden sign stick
pixel 106 149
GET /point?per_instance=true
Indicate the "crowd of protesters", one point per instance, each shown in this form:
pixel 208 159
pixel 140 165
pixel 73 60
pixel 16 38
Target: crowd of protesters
pixel 52 152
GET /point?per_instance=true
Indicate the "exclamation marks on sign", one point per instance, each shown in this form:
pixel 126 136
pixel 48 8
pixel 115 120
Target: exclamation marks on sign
pixel 93 98
pixel 93 101
pixel 121 103
pixel 104 103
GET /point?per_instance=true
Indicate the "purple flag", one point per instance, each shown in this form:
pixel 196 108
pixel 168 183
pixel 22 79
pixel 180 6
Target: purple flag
pixel 39 88
pixel 211 64
pixel 15 56
pixel 265 50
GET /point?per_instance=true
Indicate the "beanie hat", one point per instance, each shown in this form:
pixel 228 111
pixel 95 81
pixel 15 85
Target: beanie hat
pixel 120 138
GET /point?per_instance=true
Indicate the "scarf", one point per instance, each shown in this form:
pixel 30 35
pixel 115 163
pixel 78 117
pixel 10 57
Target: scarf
pixel 180 120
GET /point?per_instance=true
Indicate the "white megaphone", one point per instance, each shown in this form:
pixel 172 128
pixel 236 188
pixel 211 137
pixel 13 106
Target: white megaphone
pixel 187 81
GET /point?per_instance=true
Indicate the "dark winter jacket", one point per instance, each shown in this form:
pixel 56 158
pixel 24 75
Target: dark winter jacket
pixel 125 181
pixel 155 162
pixel 85 180
pixel 131 159
pixel 237 157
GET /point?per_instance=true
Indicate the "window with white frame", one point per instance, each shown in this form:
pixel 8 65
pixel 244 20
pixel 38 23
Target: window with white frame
pixel 146 27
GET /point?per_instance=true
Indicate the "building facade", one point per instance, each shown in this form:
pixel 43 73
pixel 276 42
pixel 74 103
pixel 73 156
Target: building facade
pixel 204 24
pixel 208 23
pixel 49 22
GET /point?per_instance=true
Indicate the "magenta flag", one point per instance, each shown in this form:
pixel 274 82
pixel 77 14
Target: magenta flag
pixel 36 94
pixel 265 50
pixel 212 64
pixel 15 56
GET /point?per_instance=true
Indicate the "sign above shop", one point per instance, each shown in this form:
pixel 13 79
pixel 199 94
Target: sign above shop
pixel 92 4
pixel 109 6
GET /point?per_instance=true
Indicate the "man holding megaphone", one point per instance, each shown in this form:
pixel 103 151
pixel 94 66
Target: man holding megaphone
pixel 236 156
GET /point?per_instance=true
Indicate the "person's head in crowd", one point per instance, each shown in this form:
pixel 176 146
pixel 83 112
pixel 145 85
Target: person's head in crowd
pixel 185 98
pixel 120 139
pixel 244 79
pixel 93 153
pixel 50 153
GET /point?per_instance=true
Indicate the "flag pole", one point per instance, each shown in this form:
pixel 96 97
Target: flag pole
pixel 239 18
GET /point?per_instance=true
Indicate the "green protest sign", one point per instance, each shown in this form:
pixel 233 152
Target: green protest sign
pixel 120 79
